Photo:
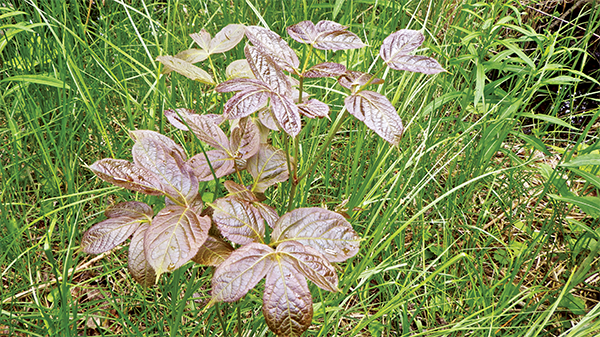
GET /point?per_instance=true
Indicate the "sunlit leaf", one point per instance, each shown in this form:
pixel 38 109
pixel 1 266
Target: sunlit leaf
pixel 377 113
pixel 174 237
pixel 185 68
pixel 286 113
pixel 267 167
pixel 125 174
pixel 353 79
pixel 303 32
pixel 173 116
pixel 175 175
pixel 287 303
pixel 238 220
pixel 329 26
pixel 192 55
pixel 326 231
pixel 240 192
pixel 267 119
pixel 416 63
pixel 267 71
pixel 313 108
pixel 166 142
pixel 327 69
pixel 132 209
pixel 337 40
pixel 207 130
pixel 213 252
pixel 312 264
pixel 241 84
pixel 273 45
pixel 221 163
pixel 268 213
pixel 137 265
pixel 227 38
pixel 244 268
pixel 239 69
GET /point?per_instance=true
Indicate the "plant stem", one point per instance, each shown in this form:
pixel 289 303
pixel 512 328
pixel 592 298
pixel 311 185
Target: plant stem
pixel 212 66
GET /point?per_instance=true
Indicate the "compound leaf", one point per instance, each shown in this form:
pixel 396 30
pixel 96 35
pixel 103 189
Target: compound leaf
pixel 329 26
pixel 192 55
pixel 186 69
pixel 311 264
pixel 125 174
pixel 266 70
pixel 227 38
pixel 267 167
pixel 240 192
pixel 242 270
pixel 137 264
pixel 241 84
pixel 132 209
pixel 303 32
pixel 220 161
pixel 245 103
pixel 203 126
pixel 326 231
pixel 213 252
pixel 174 237
pixel 164 141
pixel 272 44
pixel 245 139
pixel 326 69
pixel 173 116
pixel 416 63
pixel 268 213
pixel 287 303
pixel 203 39
pixel 377 113
pixel 238 220
pixel 109 233
pixel 337 40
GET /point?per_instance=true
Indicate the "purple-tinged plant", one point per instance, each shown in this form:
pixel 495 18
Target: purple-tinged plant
pixel 269 95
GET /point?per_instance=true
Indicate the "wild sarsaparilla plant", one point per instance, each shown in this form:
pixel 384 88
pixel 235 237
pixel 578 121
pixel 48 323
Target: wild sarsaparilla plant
pixel 230 232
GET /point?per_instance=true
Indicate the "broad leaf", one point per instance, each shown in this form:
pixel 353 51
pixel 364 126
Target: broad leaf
pixel 137 264
pixel 273 45
pixel 213 252
pixel 203 39
pixel 166 142
pixel 303 32
pixel 125 174
pixel 268 213
pixel 239 69
pixel 240 192
pixel 327 69
pixel 326 231
pixel 244 268
pixel 220 161
pixel 328 26
pixel 267 119
pixel 267 167
pixel 110 233
pixel 192 55
pixel 312 264
pixel 266 70
pixel 352 79
pixel 175 175
pixel 174 237
pixel 326 35
pixel 396 48
pixel 245 103
pixel 314 108
pixel 238 220
pixel 186 69
pixel 400 43
pixel 203 126
pixel 227 38
pixel 416 63
pixel 287 303
pixel 286 113
pixel 241 84
pixel 377 113
pixel 173 116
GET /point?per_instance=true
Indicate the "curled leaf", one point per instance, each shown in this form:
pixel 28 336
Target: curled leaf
pixel 239 69
pixel 244 268
pixel 287 303
pixel 377 113
pixel 186 69
pixel 137 264
pixel 174 237
pixel 227 38
pixel 267 167
pixel 213 252
pixel 326 231
pixel 192 55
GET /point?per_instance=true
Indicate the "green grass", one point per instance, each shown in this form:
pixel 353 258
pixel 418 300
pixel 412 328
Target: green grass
pixel 460 235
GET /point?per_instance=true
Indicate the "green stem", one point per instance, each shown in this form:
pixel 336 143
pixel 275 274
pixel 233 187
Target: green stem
pixel 212 66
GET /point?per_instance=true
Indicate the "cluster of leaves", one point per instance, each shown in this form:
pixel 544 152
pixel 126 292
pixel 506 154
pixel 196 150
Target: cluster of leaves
pixel 303 242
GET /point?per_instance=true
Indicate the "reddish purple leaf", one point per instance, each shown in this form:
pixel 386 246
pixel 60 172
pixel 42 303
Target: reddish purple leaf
pixel 352 79
pixel 312 264
pixel 267 167
pixel 303 32
pixel 132 209
pixel 267 71
pixel 221 163
pixel 238 220
pixel 137 265
pixel 109 233
pixel 213 252
pixel 377 113
pixel 241 84
pixel 416 63
pixel 245 139
pixel 401 42
pixel 314 108
pixel 186 69
pixel 273 45
pixel 245 103
pixel 327 69
pixel 286 113
pixel 128 175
